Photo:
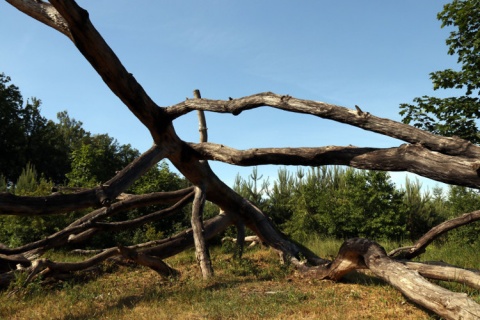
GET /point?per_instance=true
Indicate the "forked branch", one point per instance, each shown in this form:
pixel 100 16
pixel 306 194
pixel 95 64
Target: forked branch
pixel 450 160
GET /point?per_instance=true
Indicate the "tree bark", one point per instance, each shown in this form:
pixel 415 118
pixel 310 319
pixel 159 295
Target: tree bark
pixel 360 253
pixel 201 250
pixel 450 160
pixel 98 197
pixel 418 248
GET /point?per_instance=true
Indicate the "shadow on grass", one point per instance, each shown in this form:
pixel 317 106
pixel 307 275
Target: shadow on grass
pixel 187 290
pixel 363 278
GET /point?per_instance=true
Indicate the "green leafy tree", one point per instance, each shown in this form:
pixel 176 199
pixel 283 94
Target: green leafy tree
pixel 462 200
pixel 71 131
pixel 371 206
pixel 28 137
pixel 312 191
pixel 345 203
pixel 11 129
pixel 253 188
pixel 18 230
pixel 281 197
pixel 97 159
pixel 44 146
pixel 454 115
pixel 423 210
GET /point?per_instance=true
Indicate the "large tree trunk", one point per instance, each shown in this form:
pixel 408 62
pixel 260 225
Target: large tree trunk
pixel 450 160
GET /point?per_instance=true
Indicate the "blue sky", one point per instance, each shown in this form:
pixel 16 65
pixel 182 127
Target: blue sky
pixel 375 54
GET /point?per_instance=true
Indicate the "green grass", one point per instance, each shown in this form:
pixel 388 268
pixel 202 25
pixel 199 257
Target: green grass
pixel 255 287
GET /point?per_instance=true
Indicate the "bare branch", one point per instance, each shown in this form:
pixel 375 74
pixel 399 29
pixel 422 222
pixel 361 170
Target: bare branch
pixel 419 247
pixel 99 196
pixel 43 12
pixel 444 272
pixel 145 260
pixel 122 83
pixel 202 122
pixel 164 213
pixel 88 223
pixel 201 249
pixel 412 158
pixel 364 120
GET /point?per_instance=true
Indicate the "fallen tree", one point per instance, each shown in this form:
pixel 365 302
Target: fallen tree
pixel 450 160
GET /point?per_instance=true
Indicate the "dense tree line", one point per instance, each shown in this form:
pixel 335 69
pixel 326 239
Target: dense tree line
pixel 359 200
pixel 63 152
pixel 41 156
pixel 328 201
pixel 341 202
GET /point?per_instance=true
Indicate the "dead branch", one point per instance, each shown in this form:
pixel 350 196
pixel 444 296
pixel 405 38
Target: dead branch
pixel 443 271
pixel 201 250
pixel 150 256
pixel 387 127
pixel 89 224
pixel 148 261
pixel 419 247
pixel 43 12
pixel 412 158
pixel 100 196
pixel 254 240
pixel 450 160
pixel 360 253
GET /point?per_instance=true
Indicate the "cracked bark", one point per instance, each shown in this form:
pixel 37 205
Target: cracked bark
pixel 450 160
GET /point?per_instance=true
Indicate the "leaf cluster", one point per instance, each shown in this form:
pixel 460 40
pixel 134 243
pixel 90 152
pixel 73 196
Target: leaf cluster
pixel 454 116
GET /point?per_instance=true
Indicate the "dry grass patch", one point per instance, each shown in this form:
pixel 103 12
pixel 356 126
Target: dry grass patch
pixel 256 287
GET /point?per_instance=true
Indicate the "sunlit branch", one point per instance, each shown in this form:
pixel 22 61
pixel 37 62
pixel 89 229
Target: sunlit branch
pixel 357 118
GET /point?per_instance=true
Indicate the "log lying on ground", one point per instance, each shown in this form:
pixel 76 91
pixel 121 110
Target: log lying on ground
pixel 445 272
pixel 425 154
pixel 360 253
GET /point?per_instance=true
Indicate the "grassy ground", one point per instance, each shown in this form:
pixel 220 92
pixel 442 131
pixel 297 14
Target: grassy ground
pixel 256 287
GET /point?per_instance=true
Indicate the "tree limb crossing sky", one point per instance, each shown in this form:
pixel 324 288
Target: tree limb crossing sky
pixel 375 54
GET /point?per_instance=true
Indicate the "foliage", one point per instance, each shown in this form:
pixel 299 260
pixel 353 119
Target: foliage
pixel 423 210
pixel 18 230
pixel 158 178
pixel 334 202
pixel 97 159
pixel 64 152
pixel 454 115
pixel 253 188
pixel 3 184
pixel 281 201
pixel 339 202
pixel 27 137
pixel 347 203
pixel 462 200
pixel 11 131
pixel 57 150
